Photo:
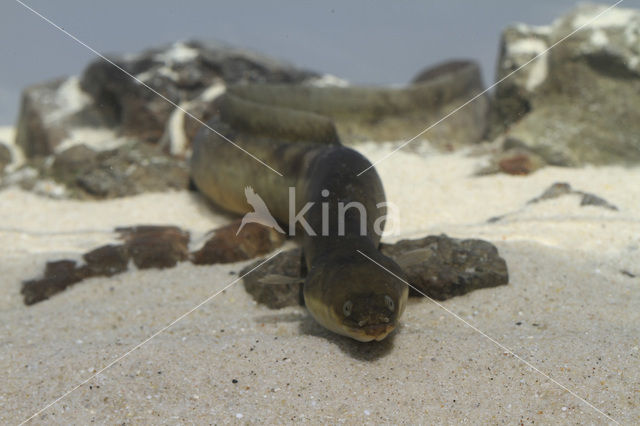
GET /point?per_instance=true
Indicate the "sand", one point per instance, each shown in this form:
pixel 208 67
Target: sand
pixel 572 310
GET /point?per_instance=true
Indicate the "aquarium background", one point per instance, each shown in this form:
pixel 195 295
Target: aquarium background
pixel 365 44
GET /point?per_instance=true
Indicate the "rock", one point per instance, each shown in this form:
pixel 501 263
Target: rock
pixel 58 275
pixel 594 200
pixel 559 189
pixel 275 296
pixel 147 246
pixel 36 133
pixel 84 173
pixel 48 113
pixel 224 246
pixel 573 105
pixel 114 115
pixel 154 246
pixel 235 65
pixel 451 267
pixel 556 190
pixel 72 162
pixel 513 161
pixel 25 177
pixel 5 156
pixel 182 73
pixel 519 163
pixel 105 97
pixel 130 169
pixel 192 74
pixel 107 260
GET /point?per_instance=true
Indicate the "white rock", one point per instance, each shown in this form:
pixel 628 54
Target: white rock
pixel 615 17
pixel 178 53
pixel 69 98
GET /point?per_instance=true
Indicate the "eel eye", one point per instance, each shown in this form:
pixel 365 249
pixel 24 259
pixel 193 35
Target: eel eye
pixel 346 308
pixel 389 302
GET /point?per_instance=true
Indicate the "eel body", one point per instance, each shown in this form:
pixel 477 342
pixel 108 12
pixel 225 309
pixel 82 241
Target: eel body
pixel 343 290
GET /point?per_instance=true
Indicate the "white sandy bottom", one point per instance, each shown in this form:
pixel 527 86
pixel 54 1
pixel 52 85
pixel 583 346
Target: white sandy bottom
pixel 569 310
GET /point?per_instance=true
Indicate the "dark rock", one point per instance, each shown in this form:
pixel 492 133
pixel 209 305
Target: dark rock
pixel 106 97
pixel 72 162
pixel 5 156
pixel 224 246
pixel 138 111
pixel 236 65
pixel 556 190
pixel 107 260
pixel 275 296
pixel 574 104
pixel 96 183
pixel 192 74
pixel 155 246
pixel 559 189
pixel 451 267
pixel 82 173
pixel 147 246
pixel 58 275
pixel 105 100
pixel 181 73
pixel 594 200
pixel 130 169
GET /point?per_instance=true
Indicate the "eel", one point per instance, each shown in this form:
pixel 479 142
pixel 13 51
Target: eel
pixel 296 131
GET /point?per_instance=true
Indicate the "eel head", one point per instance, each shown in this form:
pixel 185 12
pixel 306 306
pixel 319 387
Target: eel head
pixel 354 297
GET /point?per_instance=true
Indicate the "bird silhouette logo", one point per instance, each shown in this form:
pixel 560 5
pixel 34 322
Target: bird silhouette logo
pixel 260 213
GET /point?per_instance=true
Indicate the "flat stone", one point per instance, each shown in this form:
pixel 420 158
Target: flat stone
pixel 107 260
pixel 155 246
pixel 224 246
pixel 559 189
pixel 451 267
pixel 58 276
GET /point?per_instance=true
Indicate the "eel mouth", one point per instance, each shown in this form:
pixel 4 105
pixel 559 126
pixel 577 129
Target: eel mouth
pixel 371 332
